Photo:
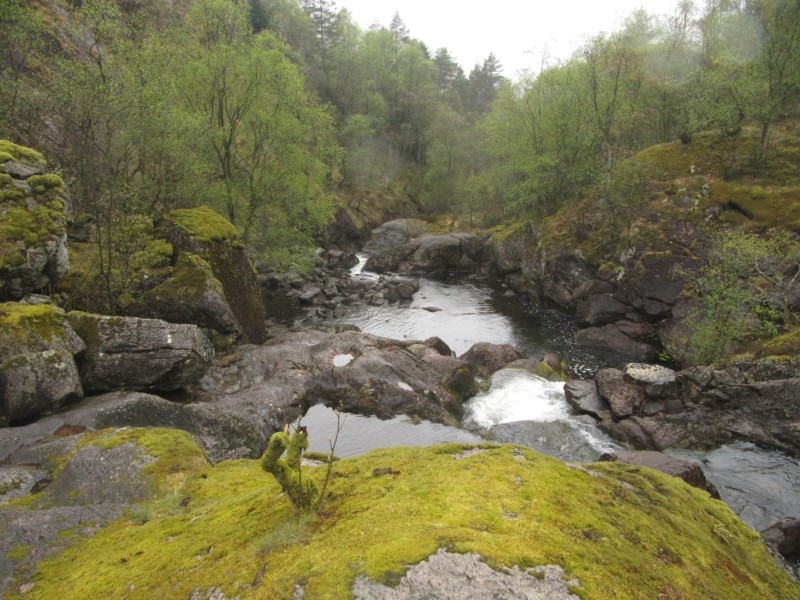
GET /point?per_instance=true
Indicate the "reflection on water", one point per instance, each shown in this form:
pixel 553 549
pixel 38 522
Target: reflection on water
pixel 465 312
pixel 761 486
pixel 361 434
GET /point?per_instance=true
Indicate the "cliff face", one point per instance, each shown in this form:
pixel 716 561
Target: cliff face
pixel 613 530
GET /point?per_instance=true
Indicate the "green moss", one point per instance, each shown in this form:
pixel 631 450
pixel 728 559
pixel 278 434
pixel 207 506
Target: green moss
pixel 177 454
pixel 6 179
pixel 19 153
pixel 21 324
pixel 623 531
pixel 19 552
pixel 29 227
pixel 787 344
pixel 48 180
pixel 204 224
pixel 771 206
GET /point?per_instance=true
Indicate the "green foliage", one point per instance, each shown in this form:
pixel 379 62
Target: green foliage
pixel 744 288
pixel 288 472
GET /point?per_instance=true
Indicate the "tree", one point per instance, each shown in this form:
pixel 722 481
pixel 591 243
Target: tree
pixel 21 31
pixel 271 143
pixel 744 289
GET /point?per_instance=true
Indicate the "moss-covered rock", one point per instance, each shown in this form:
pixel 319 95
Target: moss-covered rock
pixel 191 295
pixel 85 482
pixel 34 211
pixel 205 233
pixel 617 531
pixel 37 367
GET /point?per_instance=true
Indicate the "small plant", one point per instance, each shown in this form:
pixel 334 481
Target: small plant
pixel 291 532
pixel 141 514
pixel 302 492
pixel 289 471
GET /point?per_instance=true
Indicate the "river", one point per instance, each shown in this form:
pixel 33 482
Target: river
pixel 761 486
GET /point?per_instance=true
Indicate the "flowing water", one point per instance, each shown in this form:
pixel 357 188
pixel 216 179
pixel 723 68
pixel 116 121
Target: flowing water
pixel 762 486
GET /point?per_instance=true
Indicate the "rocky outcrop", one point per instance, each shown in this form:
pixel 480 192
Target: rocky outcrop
pixel 192 294
pixel 432 254
pixel 652 407
pixel 97 480
pixel 35 208
pixel 255 390
pixel 350 370
pixel 37 367
pixel 203 232
pixel 394 233
pixel 392 519
pixel 225 430
pixel 690 472
pixel 139 354
pixel 488 358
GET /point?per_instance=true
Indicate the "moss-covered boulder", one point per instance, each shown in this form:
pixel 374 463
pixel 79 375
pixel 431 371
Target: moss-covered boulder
pixel 139 354
pixel 613 530
pixel 192 294
pixel 87 480
pixel 37 368
pixel 34 210
pixel 203 232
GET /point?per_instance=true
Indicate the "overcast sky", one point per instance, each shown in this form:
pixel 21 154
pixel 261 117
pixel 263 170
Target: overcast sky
pixel 516 31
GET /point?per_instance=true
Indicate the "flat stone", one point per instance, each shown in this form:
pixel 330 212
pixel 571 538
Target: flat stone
pixel 657 381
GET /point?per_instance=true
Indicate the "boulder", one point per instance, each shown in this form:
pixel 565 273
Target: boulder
pixel 624 398
pixel 690 472
pixel 210 236
pixel 655 380
pixel 600 309
pixel 344 369
pixel 633 340
pixel 35 208
pixel 784 536
pixel 83 486
pixel 431 254
pixel 193 295
pixel 400 289
pixel 487 358
pixel 584 398
pixel 562 279
pixel 35 383
pixel 394 233
pixel 224 429
pixel 139 354
pixel 37 367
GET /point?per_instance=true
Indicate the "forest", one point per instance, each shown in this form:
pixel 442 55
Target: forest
pixel 279 113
